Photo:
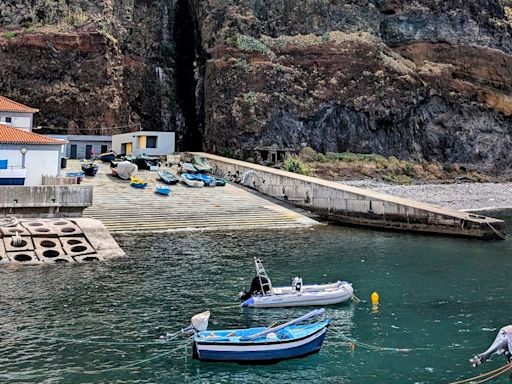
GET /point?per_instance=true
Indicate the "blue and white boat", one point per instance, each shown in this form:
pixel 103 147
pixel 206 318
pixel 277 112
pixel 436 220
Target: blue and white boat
pixel 162 190
pixel 260 345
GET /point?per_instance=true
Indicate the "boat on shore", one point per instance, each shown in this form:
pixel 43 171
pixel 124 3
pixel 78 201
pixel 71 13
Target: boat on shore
pixel 137 183
pixel 201 164
pixel 162 190
pixel 271 344
pixel 220 182
pixel 263 295
pixel 190 180
pixel 123 169
pixel 89 168
pixel 107 156
pixel 187 168
pixel 168 177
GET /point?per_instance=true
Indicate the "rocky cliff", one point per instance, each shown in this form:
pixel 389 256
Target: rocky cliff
pixel 421 80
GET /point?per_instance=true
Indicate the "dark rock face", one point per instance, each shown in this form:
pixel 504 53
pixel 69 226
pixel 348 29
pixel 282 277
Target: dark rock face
pixel 423 80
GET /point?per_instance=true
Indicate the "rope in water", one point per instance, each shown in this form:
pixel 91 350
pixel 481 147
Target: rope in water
pixel 95 372
pixel 163 339
pixel 485 376
pixel 370 347
pixel 502 235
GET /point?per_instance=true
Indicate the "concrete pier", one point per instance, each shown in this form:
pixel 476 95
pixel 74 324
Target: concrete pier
pixel 45 200
pixel 357 206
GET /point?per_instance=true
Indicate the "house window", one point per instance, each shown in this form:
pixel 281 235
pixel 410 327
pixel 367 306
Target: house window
pixel 8 119
pixel 151 141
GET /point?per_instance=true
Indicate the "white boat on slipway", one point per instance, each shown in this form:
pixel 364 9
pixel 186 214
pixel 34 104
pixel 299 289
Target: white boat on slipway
pixel 263 295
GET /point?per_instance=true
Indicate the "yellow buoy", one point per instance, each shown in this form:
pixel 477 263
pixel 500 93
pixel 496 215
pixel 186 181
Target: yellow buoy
pixel 375 298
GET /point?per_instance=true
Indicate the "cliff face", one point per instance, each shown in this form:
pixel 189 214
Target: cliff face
pixel 90 64
pixel 422 80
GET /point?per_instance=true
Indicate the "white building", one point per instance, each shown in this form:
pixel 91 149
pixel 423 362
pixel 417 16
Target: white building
pixel 151 143
pixel 26 156
pixel 79 146
pixel 15 114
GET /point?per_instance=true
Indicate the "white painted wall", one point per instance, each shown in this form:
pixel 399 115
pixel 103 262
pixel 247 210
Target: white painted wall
pixel 165 143
pixel 19 120
pixel 38 162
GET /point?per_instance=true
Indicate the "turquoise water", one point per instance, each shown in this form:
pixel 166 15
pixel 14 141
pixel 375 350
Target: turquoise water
pixel 444 298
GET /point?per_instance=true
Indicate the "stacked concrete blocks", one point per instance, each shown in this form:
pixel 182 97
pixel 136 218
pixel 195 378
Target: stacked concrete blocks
pixel 48 241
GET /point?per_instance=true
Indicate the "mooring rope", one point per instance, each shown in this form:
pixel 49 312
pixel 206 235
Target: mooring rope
pixel 163 339
pixel 483 377
pixel 98 371
pixel 370 347
pixel 502 235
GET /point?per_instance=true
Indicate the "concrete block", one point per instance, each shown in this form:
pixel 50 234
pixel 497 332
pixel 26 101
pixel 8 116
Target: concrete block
pixel 65 227
pixel 23 257
pixel 88 258
pixel 39 228
pixel 26 244
pixel 10 231
pixel 53 256
pixel 76 246
pixel 3 255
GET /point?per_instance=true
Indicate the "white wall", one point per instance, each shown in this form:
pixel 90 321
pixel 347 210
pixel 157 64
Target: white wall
pixel 38 162
pixel 165 143
pixel 19 120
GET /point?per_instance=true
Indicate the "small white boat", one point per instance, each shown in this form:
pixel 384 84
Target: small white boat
pixel 191 181
pixel 263 295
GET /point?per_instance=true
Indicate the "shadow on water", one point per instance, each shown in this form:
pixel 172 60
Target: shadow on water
pixel 444 298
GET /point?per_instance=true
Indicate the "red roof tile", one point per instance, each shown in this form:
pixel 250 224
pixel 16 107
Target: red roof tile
pixel 10 135
pixel 8 105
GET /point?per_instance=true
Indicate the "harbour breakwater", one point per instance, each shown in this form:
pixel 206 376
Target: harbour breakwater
pixel 55 241
pixel 356 206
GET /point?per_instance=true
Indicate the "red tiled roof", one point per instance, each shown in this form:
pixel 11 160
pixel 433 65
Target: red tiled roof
pixel 10 135
pixel 8 105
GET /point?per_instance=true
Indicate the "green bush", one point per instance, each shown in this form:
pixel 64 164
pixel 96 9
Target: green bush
pixel 295 165
pixel 250 44
pixel 308 154
pixel 9 35
pixel 250 97
pixel 447 167
pixel 410 171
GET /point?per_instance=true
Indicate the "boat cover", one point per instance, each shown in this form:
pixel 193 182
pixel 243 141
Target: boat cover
pixel 200 321
pixel 126 169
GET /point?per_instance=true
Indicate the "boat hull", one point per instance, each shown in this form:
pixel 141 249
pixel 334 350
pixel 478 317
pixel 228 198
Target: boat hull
pixel 260 353
pixel 107 157
pixel 342 293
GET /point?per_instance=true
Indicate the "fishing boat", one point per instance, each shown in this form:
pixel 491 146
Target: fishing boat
pixel 187 168
pixel 271 344
pixel 89 168
pixel 220 182
pixel 162 190
pixel 107 156
pixel 191 180
pixel 263 295
pixel 137 183
pixel 201 164
pixel 168 177
pixel 208 181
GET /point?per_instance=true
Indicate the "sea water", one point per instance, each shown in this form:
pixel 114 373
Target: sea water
pixel 442 298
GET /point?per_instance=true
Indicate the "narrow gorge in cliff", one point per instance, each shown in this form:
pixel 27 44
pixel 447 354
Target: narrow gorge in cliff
pixel 424 81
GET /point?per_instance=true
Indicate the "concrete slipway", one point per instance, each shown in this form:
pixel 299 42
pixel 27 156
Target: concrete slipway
pixel 122 208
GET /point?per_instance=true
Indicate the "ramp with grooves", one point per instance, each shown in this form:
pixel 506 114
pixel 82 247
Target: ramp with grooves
pixel 122 208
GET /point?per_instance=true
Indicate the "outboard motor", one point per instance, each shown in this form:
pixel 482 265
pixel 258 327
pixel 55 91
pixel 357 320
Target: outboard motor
pixel 255 288
pixel 502 345
pixel 297 284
